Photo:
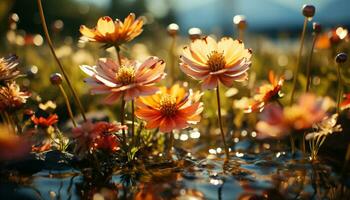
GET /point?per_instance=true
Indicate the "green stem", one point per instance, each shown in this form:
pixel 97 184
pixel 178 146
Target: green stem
pixel 308 75
pixel 132 118
pixel 220 123
pixel 117 49
pixel 340 87
pixel 122 116
pixel 292 144
pixel 47 35
pixel 69 109
pixel 296 69
pixel 172 58
pixel 171 144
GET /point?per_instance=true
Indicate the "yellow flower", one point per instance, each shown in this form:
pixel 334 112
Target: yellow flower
pixel 113 33
pixel 210 61
pixel 11 97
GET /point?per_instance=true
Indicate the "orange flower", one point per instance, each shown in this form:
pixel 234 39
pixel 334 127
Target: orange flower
pixel 8 68
pixel 11 97
pixel 277 122
pixel 171 108
pixel 45 122
pixel 267 92
pixel 100 135
pixel 210 61
pixel 11 145
pixel 113 33
pixel 130 80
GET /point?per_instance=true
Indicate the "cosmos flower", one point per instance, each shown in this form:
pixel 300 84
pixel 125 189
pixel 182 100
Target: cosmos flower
pixel 112 32
pixel 266 93
pixel 278 122
pixel 45 122
pixel 11 97
pixel 12 146
pixel 100 135
pixel 210 61
pixel 130 80
pixel 8 68
pixel 171 108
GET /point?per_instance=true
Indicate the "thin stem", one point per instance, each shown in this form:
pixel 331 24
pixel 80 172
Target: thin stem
pixel 240 34
pixel 292 144
pixel 47 35
pixel 122 116
pixel 340 88
pixel 172 58
pixel 296 70
pixel 308 75
pixel 69 109
pixel 117 49
pixel 171 144
pixel 132 118
pixel 220 122
pixel 303 147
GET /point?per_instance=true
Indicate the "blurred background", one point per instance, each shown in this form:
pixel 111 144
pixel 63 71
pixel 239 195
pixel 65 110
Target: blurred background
pixel 273 30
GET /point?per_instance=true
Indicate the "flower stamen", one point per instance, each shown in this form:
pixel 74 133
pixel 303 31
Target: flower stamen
pixel 168 105
pixel 216 61
pixel 125 75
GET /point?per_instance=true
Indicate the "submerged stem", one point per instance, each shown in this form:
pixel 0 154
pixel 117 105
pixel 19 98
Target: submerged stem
pixel 296 69
pixel 69 108
pixel 47 35
pixel 220 123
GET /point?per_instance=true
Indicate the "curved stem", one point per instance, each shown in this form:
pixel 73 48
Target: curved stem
pixel 47 35
pixel 340 88
pixel 69 109
pixel 220 123
pixel 308 75
pixel 296 69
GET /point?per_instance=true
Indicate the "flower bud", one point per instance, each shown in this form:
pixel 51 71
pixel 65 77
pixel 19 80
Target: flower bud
pixel 173 29
pixel 317 28
pixel 56 78
pixel 341 58
pixel 308 10
pixel 240 21
pixel 194 33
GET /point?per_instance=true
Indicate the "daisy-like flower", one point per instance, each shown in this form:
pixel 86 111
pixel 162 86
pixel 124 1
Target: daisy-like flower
pixel 266 93
pixel 11 97
pixel 8 68
pixel 129 80
pixel 210 61
pixel 278 122
pixel 45 122
pixel 100 135
pixel 113 33
pixel 171 108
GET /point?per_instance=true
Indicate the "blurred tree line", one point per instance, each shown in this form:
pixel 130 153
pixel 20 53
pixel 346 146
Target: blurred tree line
pixel 72 13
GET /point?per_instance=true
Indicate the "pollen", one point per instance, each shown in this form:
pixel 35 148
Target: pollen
pixel 168 105
pixel 125 75
pixel 216 61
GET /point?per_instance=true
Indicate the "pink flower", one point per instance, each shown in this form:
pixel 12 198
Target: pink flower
pixel 277 122
pixel 129 80
pixel 210 61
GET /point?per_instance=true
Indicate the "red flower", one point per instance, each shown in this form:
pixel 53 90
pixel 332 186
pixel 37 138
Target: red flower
pixel 45 122
pixel 100 135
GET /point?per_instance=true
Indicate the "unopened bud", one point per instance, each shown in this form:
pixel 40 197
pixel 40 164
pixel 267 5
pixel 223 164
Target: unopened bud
pixel 341 57
pixel 194 33
pixel 308 10
pixel 173 29
pixel 56 79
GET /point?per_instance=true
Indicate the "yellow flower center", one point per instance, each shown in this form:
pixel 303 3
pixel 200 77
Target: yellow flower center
pixel 168 105
pixel 125 75
pixel 216 61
